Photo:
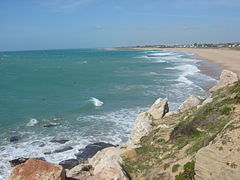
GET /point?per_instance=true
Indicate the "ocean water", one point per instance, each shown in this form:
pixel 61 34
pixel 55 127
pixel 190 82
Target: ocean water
pixel 90 94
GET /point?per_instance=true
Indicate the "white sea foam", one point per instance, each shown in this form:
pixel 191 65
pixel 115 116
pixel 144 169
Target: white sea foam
pixel 152 59
pixel 158 61
pixel 115 129
pixel 32 122
pixel 96 102
pixel 183 79
pixel 153 73
pixel 83 62
pixel 161 54
pixel 188 69
pixel 144 57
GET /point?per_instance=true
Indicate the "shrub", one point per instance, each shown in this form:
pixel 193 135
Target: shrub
pixel 175 168
pixel 226 110
pixel 188 173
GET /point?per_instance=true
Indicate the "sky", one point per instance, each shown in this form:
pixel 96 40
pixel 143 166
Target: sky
pixel 66 24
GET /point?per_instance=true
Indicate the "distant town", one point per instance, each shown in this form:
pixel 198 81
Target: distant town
pixel 235 45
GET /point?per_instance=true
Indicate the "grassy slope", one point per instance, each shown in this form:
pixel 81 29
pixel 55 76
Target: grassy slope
pixel 169 152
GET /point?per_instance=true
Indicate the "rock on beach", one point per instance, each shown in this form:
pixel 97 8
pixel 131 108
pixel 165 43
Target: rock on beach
pixel 34 169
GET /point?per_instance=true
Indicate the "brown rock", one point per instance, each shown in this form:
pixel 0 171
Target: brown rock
pixel 108 174
pixel 141 127
pixel 189 103
pixel 220 160
pixel 226 78
pixel 131 154
pixel 159 108
pixel 81 172
pixel 34 169
pixel 107 165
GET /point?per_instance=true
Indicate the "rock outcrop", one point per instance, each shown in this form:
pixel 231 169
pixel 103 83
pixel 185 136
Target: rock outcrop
pixel 80 172
pixel 227 78
pixel 143 123
pixel 189 103
pixel 159 108
pixel 34 169
pixel 107 165
pixel 142 127
pixel 220 159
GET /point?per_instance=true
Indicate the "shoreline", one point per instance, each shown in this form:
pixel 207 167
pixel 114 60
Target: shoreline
pixel 226 58
pixel 117 152
pixel 87 144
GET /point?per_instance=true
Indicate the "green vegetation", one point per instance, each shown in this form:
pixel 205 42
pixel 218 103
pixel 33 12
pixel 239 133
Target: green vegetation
pixel 166 166
pixel 188 173
pixel 210 119
pixel 226 110
pixel 190 131
pixel 175 168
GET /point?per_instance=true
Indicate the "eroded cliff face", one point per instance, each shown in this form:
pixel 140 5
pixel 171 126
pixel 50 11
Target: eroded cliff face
pixel 220 159
pixel 198 143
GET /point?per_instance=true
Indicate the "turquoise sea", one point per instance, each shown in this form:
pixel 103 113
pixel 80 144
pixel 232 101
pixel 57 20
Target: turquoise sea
pixel 89 95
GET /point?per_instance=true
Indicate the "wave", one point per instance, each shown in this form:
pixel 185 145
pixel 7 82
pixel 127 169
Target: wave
pixel 152 59
pixel 113 127
pixel 153 74
pixel 158 61
pixel 96 102
pixel 83 62
pixel 32 122
pixel 187 69
pixel 161 54
pixel 144 57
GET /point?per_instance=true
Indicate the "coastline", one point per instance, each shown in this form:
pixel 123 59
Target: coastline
pixel 112 155
pixel 54 148
pixel 226 58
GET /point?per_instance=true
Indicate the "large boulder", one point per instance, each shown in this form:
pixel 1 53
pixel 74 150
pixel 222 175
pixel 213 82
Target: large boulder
pixel 107 165
pixel 227 78
pixel 34 169
pixel 220 159
pixel 159 108
pixel 189 103
pixel 142 127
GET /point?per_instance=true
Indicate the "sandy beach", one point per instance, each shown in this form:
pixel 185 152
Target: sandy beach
pixel 227 58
